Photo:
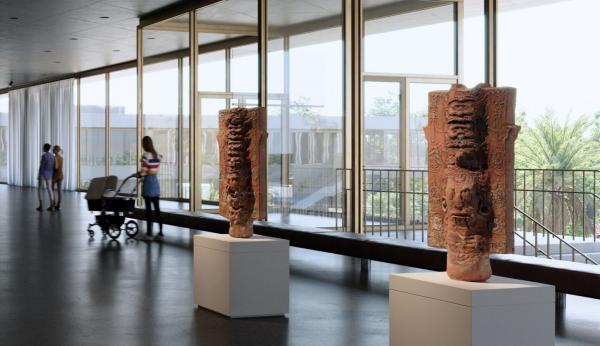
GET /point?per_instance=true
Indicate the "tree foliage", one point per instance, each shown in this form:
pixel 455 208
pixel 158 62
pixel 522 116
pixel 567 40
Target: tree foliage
pixel 551 144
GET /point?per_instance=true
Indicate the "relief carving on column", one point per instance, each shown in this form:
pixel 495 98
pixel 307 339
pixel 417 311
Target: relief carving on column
pixel 242 139
pixel 474 131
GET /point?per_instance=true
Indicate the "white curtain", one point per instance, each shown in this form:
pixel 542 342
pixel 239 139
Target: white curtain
pixel 37 115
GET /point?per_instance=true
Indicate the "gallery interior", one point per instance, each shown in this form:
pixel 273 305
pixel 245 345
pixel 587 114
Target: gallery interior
pixel 332 212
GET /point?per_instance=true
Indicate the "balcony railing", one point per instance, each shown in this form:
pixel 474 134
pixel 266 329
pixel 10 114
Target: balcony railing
pixel 556 211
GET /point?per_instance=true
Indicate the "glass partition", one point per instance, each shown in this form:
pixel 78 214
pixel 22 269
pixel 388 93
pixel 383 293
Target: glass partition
pixel 306 111
pixel 227 77
pixel 474 43
pixel 557 78
pixel 123 122
pixel 3 138
pixel 166 45
pixel 92 132
pixel 409 37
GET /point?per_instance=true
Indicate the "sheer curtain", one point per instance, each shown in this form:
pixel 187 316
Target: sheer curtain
pixel 37 115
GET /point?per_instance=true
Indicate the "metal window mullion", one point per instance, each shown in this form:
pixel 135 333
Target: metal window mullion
pixel 140 94
pixel 354 132
pixel 107 124
pixel 78 184
pixel 180 127
pixel 195 125
pixel 459 16
pixel 491 26
pixel 228 77
pixel 405 146
pixel 285 115
pixel 263 38
pixel 262 53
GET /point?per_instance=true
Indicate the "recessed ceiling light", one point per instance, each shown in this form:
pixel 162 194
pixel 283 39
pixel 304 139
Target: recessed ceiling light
pixel 151 38
pixel 14 18
pixel 57 62
pixel 104 17
pixel 116 50
pixel 73 39
pixel 47 51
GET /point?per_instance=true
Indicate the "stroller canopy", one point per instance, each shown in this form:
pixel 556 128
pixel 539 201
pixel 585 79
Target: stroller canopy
pixel 98 186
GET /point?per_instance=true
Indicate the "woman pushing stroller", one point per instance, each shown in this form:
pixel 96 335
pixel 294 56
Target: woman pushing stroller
pixel 150 187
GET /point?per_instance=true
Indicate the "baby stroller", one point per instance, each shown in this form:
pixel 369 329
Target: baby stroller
pixel 114 206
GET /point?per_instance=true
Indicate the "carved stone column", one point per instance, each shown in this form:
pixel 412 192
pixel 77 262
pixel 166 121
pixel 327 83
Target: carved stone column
pixel 471 134
pixel 242 161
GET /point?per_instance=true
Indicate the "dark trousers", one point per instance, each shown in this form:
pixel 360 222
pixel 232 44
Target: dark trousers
pixel 149 201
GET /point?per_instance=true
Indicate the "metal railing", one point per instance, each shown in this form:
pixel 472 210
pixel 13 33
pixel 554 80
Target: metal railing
pixel 564 201
pixel 551 207
pixel 548 236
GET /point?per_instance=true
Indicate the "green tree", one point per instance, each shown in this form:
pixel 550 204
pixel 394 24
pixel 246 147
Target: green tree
pixel 554 145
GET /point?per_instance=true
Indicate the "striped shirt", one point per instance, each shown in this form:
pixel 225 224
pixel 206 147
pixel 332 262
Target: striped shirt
pixel 150 164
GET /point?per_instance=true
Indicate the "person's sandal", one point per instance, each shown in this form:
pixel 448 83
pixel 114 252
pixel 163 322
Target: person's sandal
pixel 159 237
pixel 39 208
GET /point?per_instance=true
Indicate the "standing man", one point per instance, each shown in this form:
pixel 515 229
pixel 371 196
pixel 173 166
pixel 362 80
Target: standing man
pixel 45 177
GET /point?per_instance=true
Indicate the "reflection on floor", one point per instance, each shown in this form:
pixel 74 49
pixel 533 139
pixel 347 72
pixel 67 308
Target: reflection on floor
pixel 57 287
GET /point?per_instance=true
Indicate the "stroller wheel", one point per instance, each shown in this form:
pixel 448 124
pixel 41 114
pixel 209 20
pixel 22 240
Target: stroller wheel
pixel 91 232
pixel 114 232
pixel 131 228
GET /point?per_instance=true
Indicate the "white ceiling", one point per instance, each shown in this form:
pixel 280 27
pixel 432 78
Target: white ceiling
pixel 50 38
pixel 55 37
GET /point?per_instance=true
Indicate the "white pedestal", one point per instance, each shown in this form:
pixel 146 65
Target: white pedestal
pixel 241 277
pixel 431 309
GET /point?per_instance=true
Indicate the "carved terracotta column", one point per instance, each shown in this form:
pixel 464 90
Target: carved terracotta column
pixel 242 156
pixel 471 134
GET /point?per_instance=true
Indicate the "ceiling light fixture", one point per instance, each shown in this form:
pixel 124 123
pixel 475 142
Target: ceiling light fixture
pixel 73 39
pixel 116 50
pixel 14 18
pixel 151 38
pixel 104 17
pixel 57 62
pixel 47 51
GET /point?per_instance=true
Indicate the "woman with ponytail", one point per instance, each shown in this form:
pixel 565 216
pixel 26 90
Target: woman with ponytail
pixel 151 187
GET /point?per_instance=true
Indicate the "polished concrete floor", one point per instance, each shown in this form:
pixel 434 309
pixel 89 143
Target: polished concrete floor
pixel 58 287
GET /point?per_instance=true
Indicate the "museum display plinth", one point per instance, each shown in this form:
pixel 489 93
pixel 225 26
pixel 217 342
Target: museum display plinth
pixel 431 309
pixel 241 277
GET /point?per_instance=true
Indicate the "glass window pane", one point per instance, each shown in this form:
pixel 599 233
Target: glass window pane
pixel 305 68
pixel 402 39
pixel 92 132
pixel 211 71
pixel 244 69
pixel 161 120
pixel 418 108
pixel 123 122
pixel 474 43
pixel 3 138
pixel 559 74
pixel 382 124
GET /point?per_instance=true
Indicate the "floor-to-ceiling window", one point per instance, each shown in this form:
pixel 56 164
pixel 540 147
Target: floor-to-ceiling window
pixel 409 49
pixel 473 66
pixel 547 50
pixel 213 97
pixel 307 111
pixel 3 138
pixel 161 120
pixel 92 152
pixel 123 115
